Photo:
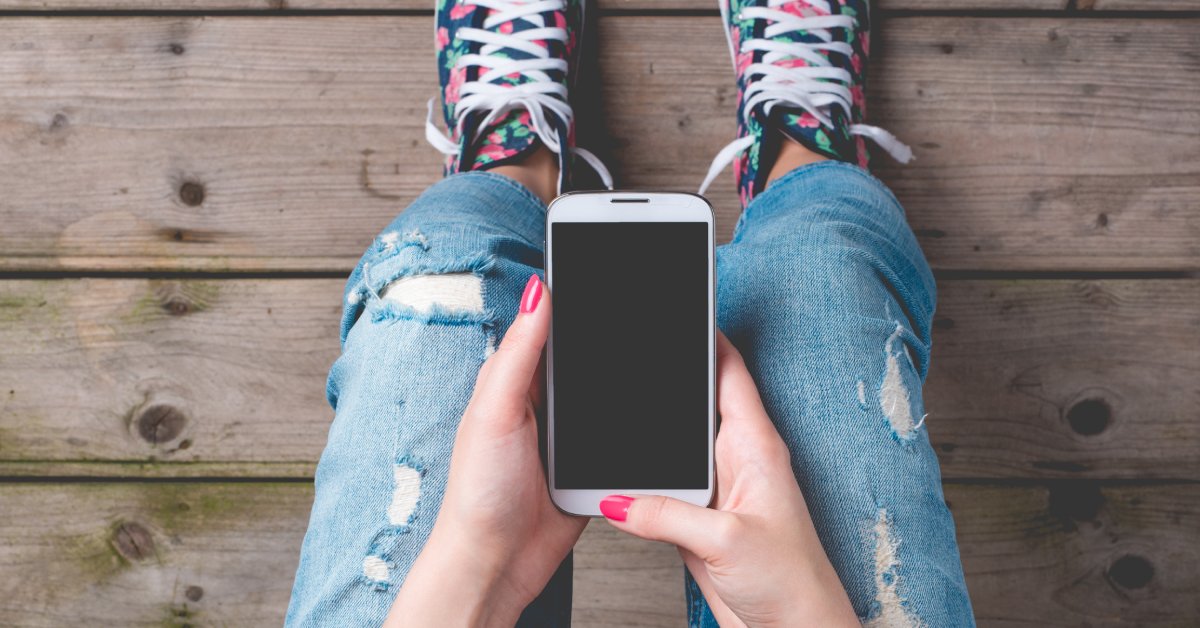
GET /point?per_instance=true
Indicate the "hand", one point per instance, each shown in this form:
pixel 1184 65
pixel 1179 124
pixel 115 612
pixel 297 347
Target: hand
pixel 498 538
pixel 756 557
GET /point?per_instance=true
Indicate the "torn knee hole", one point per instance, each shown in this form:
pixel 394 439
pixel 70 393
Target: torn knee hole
pixel 452 298
pixel 456 292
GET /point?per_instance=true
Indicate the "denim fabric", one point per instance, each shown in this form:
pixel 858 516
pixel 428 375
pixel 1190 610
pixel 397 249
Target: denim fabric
pixel 825 292
pixel 823 289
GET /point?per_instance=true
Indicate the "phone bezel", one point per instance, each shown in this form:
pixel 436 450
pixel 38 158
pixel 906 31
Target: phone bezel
pixel 629 207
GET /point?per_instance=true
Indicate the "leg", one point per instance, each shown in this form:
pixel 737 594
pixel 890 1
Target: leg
pixel 826 293
pixel 422 310
pixel 430 300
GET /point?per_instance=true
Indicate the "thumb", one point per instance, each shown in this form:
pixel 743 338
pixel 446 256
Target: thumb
pixel 702 531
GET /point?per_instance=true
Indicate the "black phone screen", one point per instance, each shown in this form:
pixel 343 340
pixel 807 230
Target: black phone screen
pixel 631 354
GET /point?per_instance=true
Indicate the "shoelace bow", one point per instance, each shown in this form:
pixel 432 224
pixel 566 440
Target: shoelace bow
pixel 814 87
pixel 540 95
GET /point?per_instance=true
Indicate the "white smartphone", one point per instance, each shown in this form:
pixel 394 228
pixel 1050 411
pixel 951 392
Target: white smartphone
pixel 630 362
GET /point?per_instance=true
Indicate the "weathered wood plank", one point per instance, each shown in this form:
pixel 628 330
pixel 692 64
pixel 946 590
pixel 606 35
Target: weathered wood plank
pixel 1067 378
pixel 1029 379
pixel 1088 546
pixel 224 554
pixel 427 5
pixel 277 143
pixel 1141 5
pixel 144 370
pixel 1020 140
pixel 143 554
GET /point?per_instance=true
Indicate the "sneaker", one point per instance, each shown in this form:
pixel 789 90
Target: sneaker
pixel 505 68
pixel 801 67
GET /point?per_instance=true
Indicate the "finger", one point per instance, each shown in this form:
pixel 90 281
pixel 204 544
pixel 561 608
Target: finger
pixel 747 434
pixel 503 384
pixel 737 395
pixel 699 530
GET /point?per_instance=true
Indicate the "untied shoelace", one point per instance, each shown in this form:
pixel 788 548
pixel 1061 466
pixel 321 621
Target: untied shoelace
pixel 813 87
pixel 540 95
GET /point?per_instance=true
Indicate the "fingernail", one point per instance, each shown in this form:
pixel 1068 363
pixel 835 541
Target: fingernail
pixel 616 507
pixel 533 294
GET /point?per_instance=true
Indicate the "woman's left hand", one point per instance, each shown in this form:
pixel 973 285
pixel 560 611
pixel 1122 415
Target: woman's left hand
pixel 498 538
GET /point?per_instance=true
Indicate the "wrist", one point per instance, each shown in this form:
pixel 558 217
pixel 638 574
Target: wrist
pixel 827 603
pixel 450 585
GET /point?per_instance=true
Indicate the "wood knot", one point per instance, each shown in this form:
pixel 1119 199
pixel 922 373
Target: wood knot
pixel 194 593
pixel 191 193
pixel 160 423
pixel 1089 417
pixel 177 306
pixel 59 122
pixel 179 298
pixel 177 49
pixel 133 542
pixel 1131 572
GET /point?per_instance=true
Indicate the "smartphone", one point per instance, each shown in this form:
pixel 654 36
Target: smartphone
pixel 631 358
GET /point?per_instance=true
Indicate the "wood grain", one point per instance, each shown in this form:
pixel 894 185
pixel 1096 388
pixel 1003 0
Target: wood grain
pixel 1066 378
pixel 1044 170
pixel 138 377
pixel 427 5
pixel 1142 5
pixel 142 371
pixel 608 5
pixel 284 143
pixel 225 554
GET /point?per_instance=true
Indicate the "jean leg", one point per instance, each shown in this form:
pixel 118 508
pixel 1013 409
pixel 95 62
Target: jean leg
pixel 423 309
pixel 826 293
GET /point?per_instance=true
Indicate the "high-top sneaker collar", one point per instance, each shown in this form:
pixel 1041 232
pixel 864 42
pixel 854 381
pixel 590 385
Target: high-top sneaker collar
pixel 506 67
pixel 801 70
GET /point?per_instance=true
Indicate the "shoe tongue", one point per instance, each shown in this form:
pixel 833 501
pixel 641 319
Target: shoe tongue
pixel 504 139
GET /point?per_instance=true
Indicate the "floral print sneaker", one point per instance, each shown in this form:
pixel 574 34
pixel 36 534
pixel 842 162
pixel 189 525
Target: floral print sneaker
pixel 505 68
pixel 801 67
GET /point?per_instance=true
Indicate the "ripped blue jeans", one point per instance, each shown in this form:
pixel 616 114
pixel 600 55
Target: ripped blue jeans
pixel 823 289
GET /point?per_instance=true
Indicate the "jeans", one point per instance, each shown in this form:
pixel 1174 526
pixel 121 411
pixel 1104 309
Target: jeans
pixel 823 289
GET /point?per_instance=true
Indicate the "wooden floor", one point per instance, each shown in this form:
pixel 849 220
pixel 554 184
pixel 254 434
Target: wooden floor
pixel 184 183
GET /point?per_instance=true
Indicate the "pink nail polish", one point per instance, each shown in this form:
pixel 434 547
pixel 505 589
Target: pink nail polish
pixel 616 507
pixel 533 294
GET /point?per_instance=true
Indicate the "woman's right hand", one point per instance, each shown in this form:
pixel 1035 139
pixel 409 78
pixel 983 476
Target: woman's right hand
pixel 755 555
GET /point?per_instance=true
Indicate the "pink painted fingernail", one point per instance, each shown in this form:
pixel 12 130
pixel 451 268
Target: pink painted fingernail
pixel 533 294
pixel 616 507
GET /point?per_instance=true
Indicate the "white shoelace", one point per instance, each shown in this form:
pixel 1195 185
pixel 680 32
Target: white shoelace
pixel 798 87
pixel 540 95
